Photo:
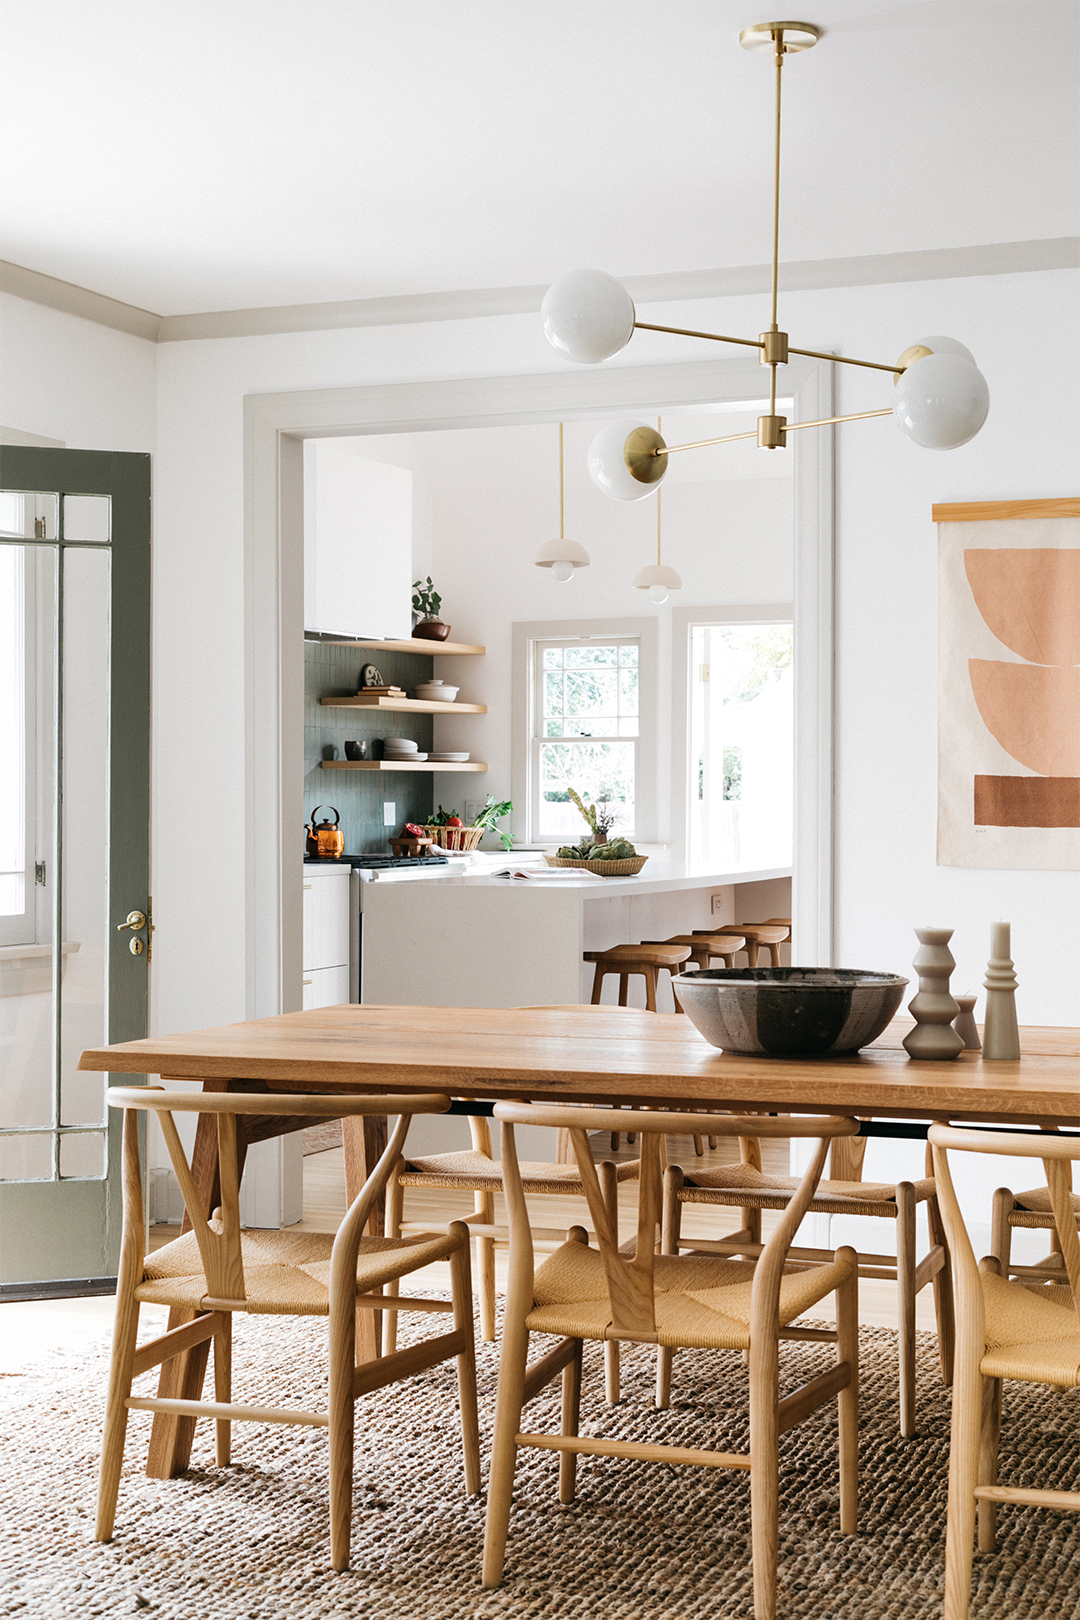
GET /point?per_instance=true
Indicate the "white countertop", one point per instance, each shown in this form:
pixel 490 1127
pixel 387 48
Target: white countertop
pixel 658 877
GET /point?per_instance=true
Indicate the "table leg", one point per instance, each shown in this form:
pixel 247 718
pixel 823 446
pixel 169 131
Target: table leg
pixel 182 1377
pixel 365 1138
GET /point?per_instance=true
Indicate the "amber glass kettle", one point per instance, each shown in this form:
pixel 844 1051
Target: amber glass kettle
pixel 325 838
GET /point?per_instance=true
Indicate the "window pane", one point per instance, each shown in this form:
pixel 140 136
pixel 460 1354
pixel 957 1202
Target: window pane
pixel 553 694
pixel 591 692
pixel 30 515
pixel 553 658
pixel 586 657
pixel 596 771
pixel 87 518
pixel 82 1154
pixel 628 691
pixel 25 1158
pixel 12 730
pixel 628 656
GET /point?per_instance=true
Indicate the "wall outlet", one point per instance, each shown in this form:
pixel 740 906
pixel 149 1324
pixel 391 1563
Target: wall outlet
pixel 718 905
pixel 389 813
pixel 473 808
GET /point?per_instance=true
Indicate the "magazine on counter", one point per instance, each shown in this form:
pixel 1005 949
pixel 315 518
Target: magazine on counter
pixel 544 873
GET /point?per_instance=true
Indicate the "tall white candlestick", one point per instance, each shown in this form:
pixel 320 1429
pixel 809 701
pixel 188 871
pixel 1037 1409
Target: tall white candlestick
pixel 1000 940
pixel 1001 1037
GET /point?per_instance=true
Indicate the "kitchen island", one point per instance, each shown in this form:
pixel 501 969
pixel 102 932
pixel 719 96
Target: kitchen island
pixel 465 938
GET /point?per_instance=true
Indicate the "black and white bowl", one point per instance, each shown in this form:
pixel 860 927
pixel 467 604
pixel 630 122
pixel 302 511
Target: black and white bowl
pixel 789 1011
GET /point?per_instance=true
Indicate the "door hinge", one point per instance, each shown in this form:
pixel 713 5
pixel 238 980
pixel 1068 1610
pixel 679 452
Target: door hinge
pixel 39 529
pixel 39 872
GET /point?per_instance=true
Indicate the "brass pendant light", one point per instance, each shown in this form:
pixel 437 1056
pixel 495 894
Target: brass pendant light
pixel 940 401
pixel 657 579
pixel 564 557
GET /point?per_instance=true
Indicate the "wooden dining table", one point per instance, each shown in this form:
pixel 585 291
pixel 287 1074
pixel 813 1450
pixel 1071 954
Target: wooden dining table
pixel 565 1054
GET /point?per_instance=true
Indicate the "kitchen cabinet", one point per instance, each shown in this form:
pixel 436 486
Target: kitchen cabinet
pixel 357 542
pixel 327 935
pixel 326 987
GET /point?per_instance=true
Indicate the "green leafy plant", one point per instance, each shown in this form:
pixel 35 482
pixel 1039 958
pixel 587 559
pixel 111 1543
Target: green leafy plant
pixel 601 816
pixel 492 813
pixel 426 599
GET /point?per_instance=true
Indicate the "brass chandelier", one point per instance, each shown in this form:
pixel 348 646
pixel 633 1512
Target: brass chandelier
pixel 940 401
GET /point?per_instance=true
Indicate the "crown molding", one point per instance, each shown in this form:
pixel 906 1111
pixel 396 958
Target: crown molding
pixel 807 275
pixel 73 300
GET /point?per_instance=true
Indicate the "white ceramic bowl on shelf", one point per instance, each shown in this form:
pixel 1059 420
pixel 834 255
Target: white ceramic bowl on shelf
pixel 451 759
pixel 400 745
pixel 437 692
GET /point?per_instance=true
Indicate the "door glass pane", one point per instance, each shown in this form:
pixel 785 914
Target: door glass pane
pixel 87 518
pixel 85 832
pixel 82 1153
pixel 29 514
pixel 26 776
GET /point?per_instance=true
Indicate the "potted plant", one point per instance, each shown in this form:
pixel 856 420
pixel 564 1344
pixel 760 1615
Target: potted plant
pixel 601 817
pixel 426 601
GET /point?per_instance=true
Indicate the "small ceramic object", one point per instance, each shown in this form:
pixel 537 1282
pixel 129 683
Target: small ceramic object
pixel 356 750
pixel 1001 1036
pixel 933 1008
pixel 371 676
pixel 965 1025
pixel 329 751
pixel 431 630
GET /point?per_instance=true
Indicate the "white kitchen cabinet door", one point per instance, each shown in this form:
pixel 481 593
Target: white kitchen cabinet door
pixel 326 919
pixel 357 542
pixel 326 987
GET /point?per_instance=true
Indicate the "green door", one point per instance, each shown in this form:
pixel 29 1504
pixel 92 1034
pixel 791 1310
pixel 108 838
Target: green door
pixel 75 927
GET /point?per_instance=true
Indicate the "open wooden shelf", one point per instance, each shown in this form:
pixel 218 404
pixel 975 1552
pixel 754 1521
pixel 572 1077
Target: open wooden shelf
pixel 410 705
pixel 415 644
pixel 397 765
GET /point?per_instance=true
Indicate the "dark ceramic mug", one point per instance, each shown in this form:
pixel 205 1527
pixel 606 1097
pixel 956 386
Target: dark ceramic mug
pixel 356 750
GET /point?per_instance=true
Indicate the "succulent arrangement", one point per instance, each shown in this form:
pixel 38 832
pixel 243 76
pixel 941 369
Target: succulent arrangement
pixel 600 818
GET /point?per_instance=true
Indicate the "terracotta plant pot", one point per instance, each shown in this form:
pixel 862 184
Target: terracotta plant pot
pixel 431 630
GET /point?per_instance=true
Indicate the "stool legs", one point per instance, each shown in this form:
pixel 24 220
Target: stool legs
pixel 597 984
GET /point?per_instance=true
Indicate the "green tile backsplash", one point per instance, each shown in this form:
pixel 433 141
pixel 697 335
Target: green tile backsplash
pixel 359 795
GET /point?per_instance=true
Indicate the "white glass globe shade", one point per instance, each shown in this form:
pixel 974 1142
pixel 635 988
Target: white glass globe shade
pixel 587 315
pixel 658 594
pixel 607 464
pixel 941 401
pixel 944 345
pixel 563 572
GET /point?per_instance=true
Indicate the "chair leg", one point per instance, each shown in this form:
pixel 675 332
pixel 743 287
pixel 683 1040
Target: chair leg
pixel 774 955
pixel 943 1295
pixel 624 981
pixel 650 988
pixel 484 1205
pixel 751 949
pixel 1000 1230
pixel 765 1469
pixel 597 984
pixel 342 1422
pixel 905 1302
pixel 963 1477
pixel 125 1331
pixel 395 1208
pixel 609 1187
pixel 508 1404
pixel 847 1349
pixel 461 1294
pixel 223 1389
pixel 571 1417
pixel 670 1226
pixel 989 1436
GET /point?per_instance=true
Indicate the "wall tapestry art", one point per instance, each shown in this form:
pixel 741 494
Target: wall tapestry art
pixel 1009 685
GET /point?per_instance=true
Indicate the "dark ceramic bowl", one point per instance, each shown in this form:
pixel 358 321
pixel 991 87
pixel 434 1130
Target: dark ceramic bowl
pixel 789 1011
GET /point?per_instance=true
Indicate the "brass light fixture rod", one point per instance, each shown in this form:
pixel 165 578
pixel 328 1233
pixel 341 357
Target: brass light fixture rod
pixel 789 427
pixel 756 343
pixel 562 535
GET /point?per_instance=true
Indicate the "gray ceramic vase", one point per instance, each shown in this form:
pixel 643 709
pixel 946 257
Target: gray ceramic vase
pixel 789 1011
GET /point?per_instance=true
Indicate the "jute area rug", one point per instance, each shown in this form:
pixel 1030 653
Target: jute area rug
pixel 642 1540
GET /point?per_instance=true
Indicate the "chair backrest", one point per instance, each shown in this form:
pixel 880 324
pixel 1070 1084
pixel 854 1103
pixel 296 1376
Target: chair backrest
pixel 219 1239
pixel 1056 1152
pixel 630 1277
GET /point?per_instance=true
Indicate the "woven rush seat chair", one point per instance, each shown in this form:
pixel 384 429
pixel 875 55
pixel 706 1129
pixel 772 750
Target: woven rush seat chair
pixel 1029 1211
pixel 609 1294
pixel 744 1186
pixel 215 1270
pixel 476 1170
pixel 1027 1330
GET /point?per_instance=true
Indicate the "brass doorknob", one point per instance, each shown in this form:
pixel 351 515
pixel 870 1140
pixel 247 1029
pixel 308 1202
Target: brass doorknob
pixel 135 921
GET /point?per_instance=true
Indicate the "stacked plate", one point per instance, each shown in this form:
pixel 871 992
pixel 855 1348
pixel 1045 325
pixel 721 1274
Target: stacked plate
pixel 451 759
pixel 402 749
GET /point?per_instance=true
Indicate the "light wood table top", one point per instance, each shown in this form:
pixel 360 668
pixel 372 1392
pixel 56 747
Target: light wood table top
pixel 597 1054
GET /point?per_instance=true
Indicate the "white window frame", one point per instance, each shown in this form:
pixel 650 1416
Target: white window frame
pixel 528 637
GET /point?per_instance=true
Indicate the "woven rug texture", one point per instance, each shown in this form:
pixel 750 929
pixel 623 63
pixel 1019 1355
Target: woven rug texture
pixel 642 1541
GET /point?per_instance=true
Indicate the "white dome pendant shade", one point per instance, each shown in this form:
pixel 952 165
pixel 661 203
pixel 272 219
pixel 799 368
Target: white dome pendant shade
pixel 564 557
pixel 941 399
pixel 659 580
pixel 622 463
pixel 588 316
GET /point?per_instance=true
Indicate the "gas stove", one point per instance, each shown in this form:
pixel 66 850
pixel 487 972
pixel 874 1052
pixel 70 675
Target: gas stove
pixel 379 863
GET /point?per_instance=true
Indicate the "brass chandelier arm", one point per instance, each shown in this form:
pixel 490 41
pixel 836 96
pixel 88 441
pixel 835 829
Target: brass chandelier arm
pixel 713 337
pixel 844 360
pixel 789 427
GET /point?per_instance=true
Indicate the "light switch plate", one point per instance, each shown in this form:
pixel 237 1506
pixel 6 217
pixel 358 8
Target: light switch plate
pixel 473 808
pixel 389 813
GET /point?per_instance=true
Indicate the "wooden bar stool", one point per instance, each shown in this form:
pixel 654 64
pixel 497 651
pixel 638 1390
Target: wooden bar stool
pixel 633 959
pixel 704 948
pixel 771 935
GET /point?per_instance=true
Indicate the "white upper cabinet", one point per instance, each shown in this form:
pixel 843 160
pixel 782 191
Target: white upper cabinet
pixel 357 543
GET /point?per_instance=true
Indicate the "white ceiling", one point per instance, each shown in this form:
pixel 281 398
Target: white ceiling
pixel 193 155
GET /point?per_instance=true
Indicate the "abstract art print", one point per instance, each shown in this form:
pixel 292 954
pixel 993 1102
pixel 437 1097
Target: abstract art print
pixel 1009 685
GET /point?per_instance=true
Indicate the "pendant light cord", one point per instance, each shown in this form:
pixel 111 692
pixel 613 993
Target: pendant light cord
pixel 659 494
pixel 562 535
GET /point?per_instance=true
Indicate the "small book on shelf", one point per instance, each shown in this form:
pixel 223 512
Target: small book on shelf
pixel 381 691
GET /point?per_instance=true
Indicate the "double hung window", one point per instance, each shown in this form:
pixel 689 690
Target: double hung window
pixel 585 733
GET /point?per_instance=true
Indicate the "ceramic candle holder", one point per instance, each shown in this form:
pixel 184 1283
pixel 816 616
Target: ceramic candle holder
pixel 933 1008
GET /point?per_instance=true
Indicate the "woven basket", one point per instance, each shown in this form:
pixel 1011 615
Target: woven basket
pixel 628 868
pixel 456 840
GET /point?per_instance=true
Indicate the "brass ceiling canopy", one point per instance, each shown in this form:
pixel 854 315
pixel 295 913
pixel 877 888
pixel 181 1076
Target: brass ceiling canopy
pixel 940 400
